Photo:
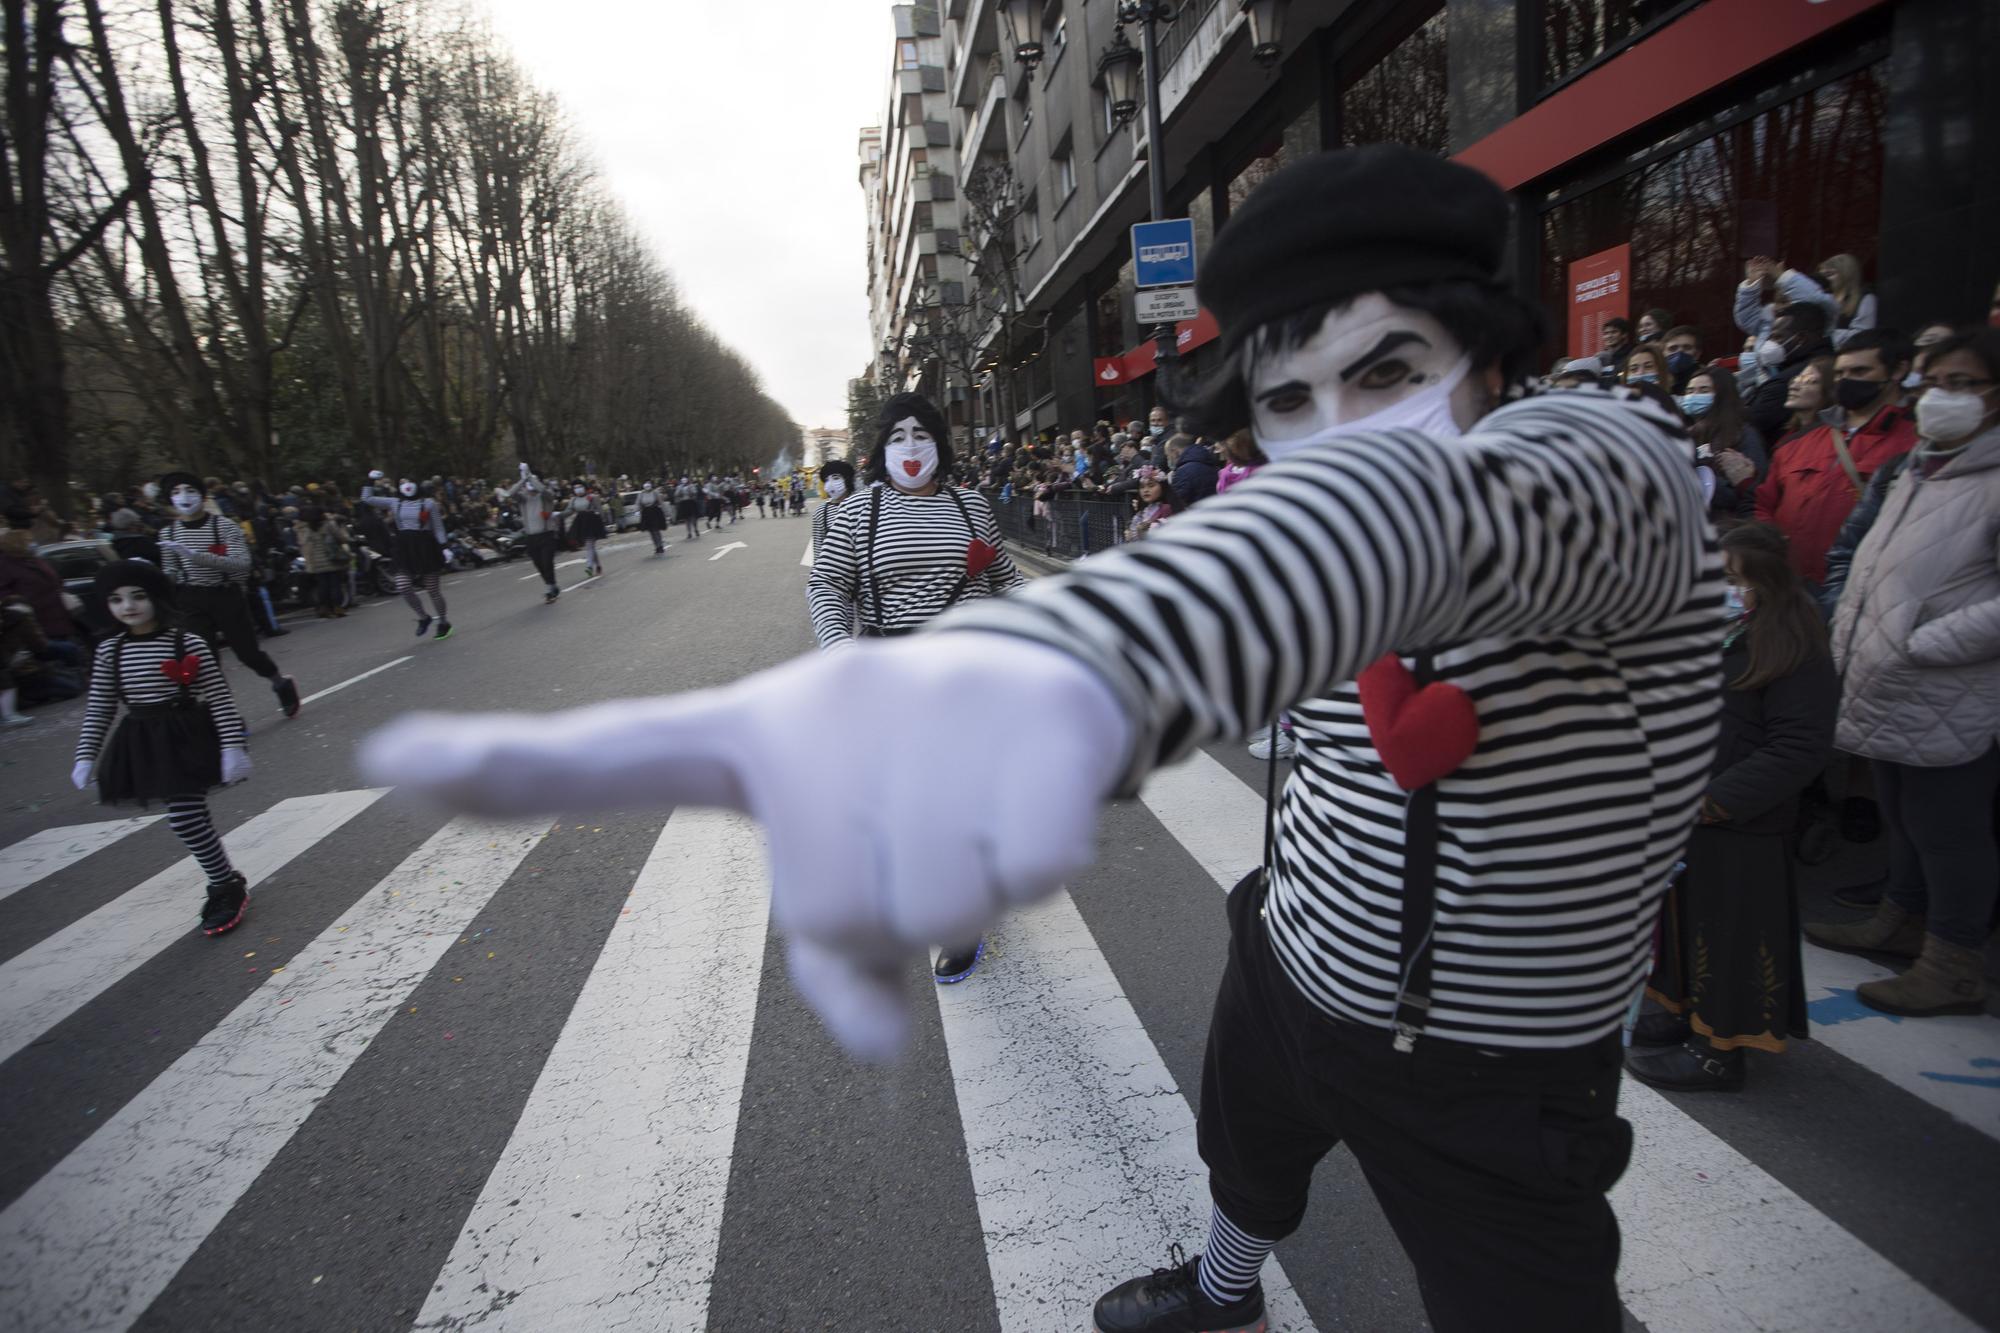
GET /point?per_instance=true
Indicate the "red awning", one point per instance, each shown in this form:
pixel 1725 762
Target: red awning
pixel 1137 362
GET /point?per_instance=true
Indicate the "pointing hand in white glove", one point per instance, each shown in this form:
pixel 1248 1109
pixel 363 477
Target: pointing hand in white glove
pixel 80 775
pixel 895 839
pixel 235 765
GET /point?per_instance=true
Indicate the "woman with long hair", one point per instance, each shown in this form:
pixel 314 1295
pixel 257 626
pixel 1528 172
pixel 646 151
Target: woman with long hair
pixel 1842 276
pixel 1242 456
pixel 1809 394
pixel 1724 440
pixel 1729 978
pixel 1646 364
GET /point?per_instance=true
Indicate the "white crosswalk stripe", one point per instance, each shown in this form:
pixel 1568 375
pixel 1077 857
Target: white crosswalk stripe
pixel 608 1198
pixel 174 1160
pixel 39 855
pixel 47 983
pixel 606 1204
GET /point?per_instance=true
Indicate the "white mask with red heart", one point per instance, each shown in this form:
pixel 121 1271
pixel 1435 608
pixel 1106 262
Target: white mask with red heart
pixel 912 463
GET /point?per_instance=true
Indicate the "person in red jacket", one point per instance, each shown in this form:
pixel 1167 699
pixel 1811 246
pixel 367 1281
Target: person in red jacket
pixel 1816 478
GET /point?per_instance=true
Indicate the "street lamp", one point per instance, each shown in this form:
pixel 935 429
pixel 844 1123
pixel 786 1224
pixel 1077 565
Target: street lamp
pixel 1267 30
pixel 1024 29
pixel 1116 65
pixel 1119 68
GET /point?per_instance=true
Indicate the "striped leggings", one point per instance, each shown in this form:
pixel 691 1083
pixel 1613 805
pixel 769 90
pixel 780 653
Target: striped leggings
pixel 406 588
pixel 188 817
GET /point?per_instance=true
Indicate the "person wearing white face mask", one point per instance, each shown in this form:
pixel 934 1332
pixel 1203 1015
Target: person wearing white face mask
pixel 653 517
pixel 1467 862
pixel 208 558
pixel 837 477
pixel 1916 632
pixel 418 527
pixel 905 553
pixel 585 527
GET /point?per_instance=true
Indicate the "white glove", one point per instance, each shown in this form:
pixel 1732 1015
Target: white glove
pixel 80 774
pixel 880 846
pixel 376 475
pixel 235 765
pixel 524 469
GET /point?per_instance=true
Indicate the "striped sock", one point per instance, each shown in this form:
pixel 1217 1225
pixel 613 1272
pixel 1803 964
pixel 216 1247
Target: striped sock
pixel 191 824
pixel 1229 1266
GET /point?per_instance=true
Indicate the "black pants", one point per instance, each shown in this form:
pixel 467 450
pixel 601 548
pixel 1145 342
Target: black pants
pixel 1491 1167
pixel 542 550
pixel 223 610
pixel 1943 860
pixel 328 585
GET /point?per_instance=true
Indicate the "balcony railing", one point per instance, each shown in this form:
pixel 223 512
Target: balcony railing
pixel 1174 38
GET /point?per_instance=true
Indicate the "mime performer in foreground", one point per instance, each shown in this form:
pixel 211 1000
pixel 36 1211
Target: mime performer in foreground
pixel 1472 849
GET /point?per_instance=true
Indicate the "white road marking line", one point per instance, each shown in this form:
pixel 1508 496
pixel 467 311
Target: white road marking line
pixel 40 855
pixel 732 546
pixel 1712 1241
pixel 45 984
pixel 601 550
pixel 807 558
pixel 1081 1146
pixel 609 1195
pixel 93 1242
pixel 332 689
pixel 1762 1257
pixel 1952 1061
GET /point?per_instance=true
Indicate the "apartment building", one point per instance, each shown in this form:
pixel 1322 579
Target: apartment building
pixel 1675 137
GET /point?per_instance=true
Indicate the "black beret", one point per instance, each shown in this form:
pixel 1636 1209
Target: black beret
pixel 1335 225
pixel 169 480
pixel 132 574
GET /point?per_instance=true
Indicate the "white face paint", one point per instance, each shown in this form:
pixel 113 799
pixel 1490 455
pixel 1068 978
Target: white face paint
pixel 911 455
pixel 186 498
pixel 836 487
pixel 408 488
pixel 131 607
pixel 1372 366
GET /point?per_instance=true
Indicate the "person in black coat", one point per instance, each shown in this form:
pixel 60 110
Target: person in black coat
pixel 1728 976
pixel 1194 476
pixel 1797 336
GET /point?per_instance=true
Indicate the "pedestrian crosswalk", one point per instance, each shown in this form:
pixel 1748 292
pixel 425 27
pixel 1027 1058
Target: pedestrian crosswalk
pixel 602 1201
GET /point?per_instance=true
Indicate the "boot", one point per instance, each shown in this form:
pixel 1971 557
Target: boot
pixel 1891 930
pixel 1945 979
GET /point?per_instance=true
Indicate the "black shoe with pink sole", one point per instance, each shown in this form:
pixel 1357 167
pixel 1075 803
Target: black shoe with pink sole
pixel 228 900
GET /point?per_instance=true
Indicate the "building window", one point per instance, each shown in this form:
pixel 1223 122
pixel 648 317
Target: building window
pixel 1058 34
pixel 1577 32
pixel 1405 96
pixel 1802 180
pixel 1064 168
pixel 906 55
pixel 1030 224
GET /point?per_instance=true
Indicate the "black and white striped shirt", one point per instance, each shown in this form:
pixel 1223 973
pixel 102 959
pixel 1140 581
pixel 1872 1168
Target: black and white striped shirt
pixel 410 515
pixel 139 673
pixel 200 565
pixel 822 519
pixel 1558 566
pixel 920 560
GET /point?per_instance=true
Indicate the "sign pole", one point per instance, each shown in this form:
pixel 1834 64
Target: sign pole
pixel 1165 352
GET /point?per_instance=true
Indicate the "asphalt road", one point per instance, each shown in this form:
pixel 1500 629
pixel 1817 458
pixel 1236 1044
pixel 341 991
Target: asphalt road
pixel 535 1077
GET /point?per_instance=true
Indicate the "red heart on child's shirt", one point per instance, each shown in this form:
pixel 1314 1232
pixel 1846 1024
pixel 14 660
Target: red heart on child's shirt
pixel 181 670
pixel 1422 735
pixel 978 555
pixel 912 466
pixel 218 548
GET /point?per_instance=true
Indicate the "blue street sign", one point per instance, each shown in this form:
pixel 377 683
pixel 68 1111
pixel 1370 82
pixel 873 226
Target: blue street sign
pixel 1163 252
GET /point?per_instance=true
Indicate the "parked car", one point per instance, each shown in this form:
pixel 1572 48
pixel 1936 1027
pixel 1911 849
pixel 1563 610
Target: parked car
pixel 628 511
pixel 77 563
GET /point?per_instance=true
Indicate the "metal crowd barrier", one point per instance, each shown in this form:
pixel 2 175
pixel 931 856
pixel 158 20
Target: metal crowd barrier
pixel 1074 528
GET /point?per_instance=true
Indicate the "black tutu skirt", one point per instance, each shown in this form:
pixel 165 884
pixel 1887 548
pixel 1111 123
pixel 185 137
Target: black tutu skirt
pixel 653 518
pixel 586 527
pixel 418 554
pixel 160 751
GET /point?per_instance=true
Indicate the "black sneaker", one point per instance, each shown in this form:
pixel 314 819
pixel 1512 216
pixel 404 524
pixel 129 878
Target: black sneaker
pixel 444 630
pixel 287 691
pixel 227 901
pixel 423 626
pixel 954 967
pixel 551 595
pixel 1171 1301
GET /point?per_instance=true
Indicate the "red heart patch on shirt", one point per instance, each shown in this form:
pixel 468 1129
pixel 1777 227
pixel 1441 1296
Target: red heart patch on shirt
pixel 912 467
pixel 1421 734
pixel 181 670
pixel 218 548
pixel 978 555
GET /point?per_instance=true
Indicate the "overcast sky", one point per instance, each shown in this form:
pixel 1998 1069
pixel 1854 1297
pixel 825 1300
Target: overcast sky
pixel 728 132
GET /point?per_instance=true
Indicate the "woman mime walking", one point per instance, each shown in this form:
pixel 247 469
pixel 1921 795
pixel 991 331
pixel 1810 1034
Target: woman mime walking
pixel 419 538
pixel 586 528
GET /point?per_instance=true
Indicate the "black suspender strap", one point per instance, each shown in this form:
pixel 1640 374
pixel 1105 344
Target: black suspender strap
pixel 1419 920
pixel 875 578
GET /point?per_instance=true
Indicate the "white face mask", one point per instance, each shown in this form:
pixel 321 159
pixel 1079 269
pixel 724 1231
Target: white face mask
pixel 1913 379
pixel 409 489
pixel 1946 417
pixel 912 456
pixel 1428 410
pixel 836 487
pixel 1771 352
pixel 187 500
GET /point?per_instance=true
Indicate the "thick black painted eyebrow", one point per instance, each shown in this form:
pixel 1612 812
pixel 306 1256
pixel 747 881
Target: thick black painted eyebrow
pixel 1390 342
pixel 1289 386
